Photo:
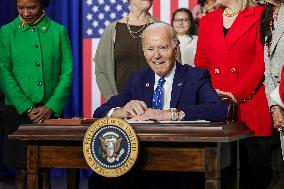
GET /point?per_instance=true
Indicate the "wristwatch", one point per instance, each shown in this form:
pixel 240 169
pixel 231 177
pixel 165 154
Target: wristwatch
pixel 174 114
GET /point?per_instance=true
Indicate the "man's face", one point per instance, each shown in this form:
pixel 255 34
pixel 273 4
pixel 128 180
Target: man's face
pixel 159 51
pixel 29 10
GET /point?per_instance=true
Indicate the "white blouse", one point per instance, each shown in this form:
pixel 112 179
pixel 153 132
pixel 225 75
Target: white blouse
pixel 188 48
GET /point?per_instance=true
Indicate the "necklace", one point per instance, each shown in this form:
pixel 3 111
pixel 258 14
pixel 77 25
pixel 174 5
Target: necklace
pixel 33 24
pixel 225 13
pixel 135 34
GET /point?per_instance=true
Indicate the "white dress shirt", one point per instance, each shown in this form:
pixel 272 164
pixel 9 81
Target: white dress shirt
pixel 167 87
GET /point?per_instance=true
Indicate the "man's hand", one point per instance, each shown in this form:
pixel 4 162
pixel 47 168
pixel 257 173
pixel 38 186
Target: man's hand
pixel 228 94
pixel 278 118
pixel 131 109
pixel 40 114
pixel 153 114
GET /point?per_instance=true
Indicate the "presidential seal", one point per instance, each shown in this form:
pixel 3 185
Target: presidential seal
pixel 110 147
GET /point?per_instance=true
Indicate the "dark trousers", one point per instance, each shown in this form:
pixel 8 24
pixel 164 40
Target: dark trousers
pixel 1 146
pixel 149 180
pixel 14 151
pixel 255 163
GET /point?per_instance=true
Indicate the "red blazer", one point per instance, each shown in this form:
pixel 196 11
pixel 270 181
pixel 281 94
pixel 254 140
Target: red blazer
pixel 236 64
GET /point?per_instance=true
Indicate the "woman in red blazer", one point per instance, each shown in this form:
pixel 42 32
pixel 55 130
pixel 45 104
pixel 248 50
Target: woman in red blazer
pixel 229 47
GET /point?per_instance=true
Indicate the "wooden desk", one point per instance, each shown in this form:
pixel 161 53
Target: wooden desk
pixel 206 147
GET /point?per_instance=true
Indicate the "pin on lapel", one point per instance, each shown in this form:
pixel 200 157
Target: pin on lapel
pixel 180 84
pixel 147 84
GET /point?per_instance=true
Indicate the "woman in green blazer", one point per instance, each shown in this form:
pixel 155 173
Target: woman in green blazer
pixel 35 72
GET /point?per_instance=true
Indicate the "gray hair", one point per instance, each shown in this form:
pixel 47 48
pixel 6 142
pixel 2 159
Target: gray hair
pixel 158 26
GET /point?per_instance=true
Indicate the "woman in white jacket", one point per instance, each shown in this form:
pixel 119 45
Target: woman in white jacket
pixel 183 23
pixel 272 30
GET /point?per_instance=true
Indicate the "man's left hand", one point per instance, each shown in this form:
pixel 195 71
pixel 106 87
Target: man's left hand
pixel 153 114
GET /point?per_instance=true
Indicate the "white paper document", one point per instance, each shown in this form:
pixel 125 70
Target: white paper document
pixel 175 122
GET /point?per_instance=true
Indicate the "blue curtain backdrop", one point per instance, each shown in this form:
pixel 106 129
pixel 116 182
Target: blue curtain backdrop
pixel 67 13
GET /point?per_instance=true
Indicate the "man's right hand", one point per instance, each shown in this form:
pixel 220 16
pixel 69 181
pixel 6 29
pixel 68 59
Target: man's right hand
pixel 131 109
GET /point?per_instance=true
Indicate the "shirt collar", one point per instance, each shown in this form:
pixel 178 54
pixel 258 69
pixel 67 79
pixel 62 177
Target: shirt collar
pixel 168 77
pixel 42 26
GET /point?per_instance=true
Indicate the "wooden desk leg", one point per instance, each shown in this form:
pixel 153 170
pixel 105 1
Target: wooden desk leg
pixel 73 178
pixel 212 168
pixel 32 167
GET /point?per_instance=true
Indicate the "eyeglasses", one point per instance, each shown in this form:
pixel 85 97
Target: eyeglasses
pixel 181 20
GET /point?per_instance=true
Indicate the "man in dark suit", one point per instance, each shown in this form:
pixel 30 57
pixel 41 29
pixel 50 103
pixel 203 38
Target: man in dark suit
pixel 167 90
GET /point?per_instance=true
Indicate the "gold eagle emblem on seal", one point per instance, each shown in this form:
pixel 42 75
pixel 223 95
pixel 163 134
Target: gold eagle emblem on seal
pixel 110 147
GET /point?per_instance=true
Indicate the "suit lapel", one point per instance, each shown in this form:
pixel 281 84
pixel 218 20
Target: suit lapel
pixel 177 86
pixel 149 88
pixel 217 30
pixel 218 38
pixel 240 26
pixel 279 30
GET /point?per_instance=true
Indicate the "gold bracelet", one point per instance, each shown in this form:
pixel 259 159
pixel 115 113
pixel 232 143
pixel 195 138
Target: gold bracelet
pixel 30 109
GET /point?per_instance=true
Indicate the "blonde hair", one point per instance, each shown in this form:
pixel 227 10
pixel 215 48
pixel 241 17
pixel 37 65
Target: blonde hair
pixel 243 4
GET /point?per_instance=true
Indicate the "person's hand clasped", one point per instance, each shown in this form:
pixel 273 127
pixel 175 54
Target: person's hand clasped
pixel 39 114
pixel 153 114
pixel 278 118
pixel 131 109
pixel 136 110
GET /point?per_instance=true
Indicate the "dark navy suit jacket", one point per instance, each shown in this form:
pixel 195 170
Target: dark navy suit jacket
pixel 191 92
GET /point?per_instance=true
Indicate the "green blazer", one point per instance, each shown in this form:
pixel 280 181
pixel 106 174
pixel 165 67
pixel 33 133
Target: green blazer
pixel 35 65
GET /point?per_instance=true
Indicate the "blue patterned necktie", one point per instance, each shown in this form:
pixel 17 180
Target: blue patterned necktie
pixel 157 102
